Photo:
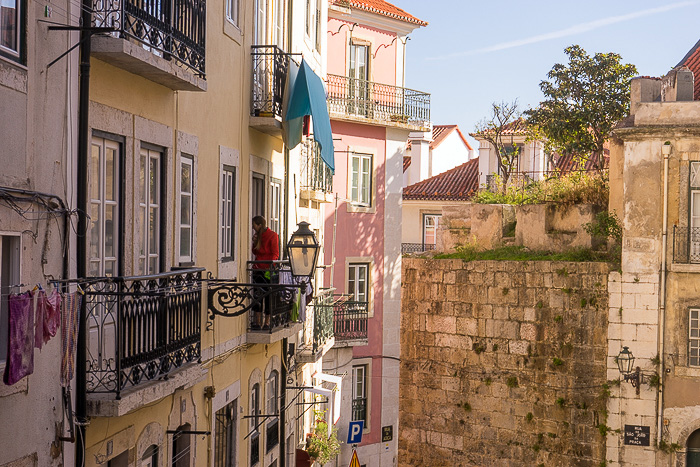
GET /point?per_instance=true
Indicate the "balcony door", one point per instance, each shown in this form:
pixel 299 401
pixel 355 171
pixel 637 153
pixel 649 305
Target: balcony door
pixel 258 198
pixel 694 221
pixel 358 74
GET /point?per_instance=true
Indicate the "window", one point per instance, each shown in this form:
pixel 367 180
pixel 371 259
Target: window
pixel 694 338
pixel 358 73
pixel 150 457
pixel 272 408
pixel 358 280
pixel 11 26
pixel 694 209
pixel 692 456
pixel 275 220
pixel 9 275
pixel 260 32
pixel 104 176
pixel 318 29
pixel 430 226
pixel 150 211
pixel 254 421
pixel 186 208
pixel 228 206
pixel 359 393
pixel 307 21
pixel 258 189
pixel 361 179
pixel 225 435
pixel 181 446
pixel 122 460
pixel 232 11
pixel 279 23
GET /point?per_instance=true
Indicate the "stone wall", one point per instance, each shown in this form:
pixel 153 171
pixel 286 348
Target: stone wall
pixel 503 363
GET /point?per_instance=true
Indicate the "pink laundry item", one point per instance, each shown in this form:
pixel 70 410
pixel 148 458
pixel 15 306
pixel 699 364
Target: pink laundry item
pixel 20 348
pixel 39 306
pixel 52 318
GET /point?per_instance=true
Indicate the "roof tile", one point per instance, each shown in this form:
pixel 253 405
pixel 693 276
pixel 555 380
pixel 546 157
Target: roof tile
pixel 457 184
pixel 383 8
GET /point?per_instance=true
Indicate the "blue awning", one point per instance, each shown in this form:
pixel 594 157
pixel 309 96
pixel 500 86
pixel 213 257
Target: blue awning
pixel 308 97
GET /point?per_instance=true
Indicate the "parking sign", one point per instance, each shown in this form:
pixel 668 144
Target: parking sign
pixel 355 431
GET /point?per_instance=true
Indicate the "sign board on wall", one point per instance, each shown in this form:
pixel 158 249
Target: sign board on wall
pixel 387 433
pixel 637 435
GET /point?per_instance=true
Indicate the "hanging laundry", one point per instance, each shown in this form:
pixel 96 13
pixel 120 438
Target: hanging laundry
pixel 20 348
pixel 69 336
pixel 39 306
pixel 52 319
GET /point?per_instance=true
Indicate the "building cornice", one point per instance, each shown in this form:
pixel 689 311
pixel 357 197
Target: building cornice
pixel 374 20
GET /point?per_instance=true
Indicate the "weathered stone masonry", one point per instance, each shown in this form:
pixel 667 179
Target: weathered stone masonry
pixel 503 363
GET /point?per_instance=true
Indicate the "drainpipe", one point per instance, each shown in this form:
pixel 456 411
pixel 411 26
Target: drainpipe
pixel 666 151
pixel 283 403
pixel 82 182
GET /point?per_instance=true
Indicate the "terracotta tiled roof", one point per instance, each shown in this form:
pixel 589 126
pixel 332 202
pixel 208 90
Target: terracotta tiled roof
pixel 440 132
pixel 518 127
pixel 567 163
pixel 457 184
pixel 383 8
pixel 692 61
pixel 406 162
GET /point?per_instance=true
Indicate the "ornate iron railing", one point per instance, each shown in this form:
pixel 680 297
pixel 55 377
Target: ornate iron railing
pixel 173 29
pixel 315 174
pixel 407 248
pixel 323 318
pixel 272 435
pixel 270 68
pixel 349 319
pixel 359 409
pixel 141 328
pixel 686 244
pixel 255 448
pixel 378 102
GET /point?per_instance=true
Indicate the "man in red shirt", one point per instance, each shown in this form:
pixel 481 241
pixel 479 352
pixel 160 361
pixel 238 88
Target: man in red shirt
pixel 265 248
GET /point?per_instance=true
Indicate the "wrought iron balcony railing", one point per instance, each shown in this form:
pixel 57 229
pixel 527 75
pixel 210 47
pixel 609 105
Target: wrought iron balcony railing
pixel 254 448
pixel 315 174
pixel 173 29
pixel 323 318
pixel 141 328
pixel 377 102
pixel 359 409
pixel 272 434
pixel 349 319
pixel 270 68
pixel 686 244
pixel 407 248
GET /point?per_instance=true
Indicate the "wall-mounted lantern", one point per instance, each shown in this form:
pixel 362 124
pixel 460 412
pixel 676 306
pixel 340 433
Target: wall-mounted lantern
pixel 625 363
pixel 302 250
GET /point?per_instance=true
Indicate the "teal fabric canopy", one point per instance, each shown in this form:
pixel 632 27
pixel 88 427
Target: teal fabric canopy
pixel 308 97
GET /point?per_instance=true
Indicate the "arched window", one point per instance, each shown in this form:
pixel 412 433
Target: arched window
pixel 254 421
pixel 272 408
pixel 693 450
pixel 150 457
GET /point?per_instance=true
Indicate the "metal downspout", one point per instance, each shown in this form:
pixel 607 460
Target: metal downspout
pixel 666 151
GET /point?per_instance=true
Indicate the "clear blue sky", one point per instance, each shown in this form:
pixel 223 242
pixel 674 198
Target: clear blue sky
pixel 476 52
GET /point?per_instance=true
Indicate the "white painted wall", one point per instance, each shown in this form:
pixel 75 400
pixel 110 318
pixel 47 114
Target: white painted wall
pixel 448 155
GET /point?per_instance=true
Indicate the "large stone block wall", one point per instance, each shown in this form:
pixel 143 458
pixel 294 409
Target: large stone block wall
pixel 503 363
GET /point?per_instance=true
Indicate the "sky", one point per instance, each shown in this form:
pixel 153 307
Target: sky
pixel 474 53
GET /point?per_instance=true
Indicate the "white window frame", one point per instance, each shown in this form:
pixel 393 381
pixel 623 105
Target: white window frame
pixel 694 337
pixel 271 390
pixel 366 364
pixel 227 224
pixel 260 29
pixel 150 200
pixel 228 268
pixel 279 22
pixel 233 11
pixel 358 192
pixel 351 261
pixel 274 220
pixel 355 270
pixel 435 226
pixel 10 273
pixel 19 32
pixel 183 224
pixel 222 398
pixel 101 204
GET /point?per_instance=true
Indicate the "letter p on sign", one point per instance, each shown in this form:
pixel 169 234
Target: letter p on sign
pixel 355 432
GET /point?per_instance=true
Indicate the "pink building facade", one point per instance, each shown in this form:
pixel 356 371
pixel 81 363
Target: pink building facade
pixel 372 114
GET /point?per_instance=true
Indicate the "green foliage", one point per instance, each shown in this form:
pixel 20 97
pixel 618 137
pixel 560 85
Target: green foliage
pixel 562 272
pixel 668 448
pixel 606 225
pixel 512 382
pixel 566 190
pixel 656 360
pixel 558 318
pixel 583 101
pixel 521 253
pixel 467 407
pixel 505 291
pixel 560 401
pixel 655 381
pixel 494 129
pixel 556 361
pixel 478 348
pixel 567 290
pixel 488 381
pixel 529 416
pixel 603 429
pixel 494 347
pixel 584 302
pixel 319 445
pixel 540 304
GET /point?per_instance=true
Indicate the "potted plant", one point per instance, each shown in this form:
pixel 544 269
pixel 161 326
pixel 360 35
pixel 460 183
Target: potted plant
pixel 321 446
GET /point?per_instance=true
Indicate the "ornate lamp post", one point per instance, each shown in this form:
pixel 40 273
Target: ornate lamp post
pixel 302 250
pixel 625 363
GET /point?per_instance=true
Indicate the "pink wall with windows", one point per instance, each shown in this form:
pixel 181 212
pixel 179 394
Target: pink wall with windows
pixel 382 53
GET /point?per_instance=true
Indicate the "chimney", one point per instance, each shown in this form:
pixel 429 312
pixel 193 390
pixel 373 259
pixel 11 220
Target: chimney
pixel 420 156
pixel 644 89
pixel 677 85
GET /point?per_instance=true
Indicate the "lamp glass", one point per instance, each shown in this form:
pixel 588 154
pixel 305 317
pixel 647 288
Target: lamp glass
pixel 625 361
pixel 302 250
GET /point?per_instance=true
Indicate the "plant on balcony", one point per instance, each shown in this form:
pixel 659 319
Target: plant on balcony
pixel 399 118
pixel 319 445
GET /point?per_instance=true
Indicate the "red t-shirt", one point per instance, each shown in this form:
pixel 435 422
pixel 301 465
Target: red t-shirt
pixel 269 248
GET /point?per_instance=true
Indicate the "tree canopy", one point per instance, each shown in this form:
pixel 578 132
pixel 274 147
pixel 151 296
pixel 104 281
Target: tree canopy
pixel 498 130
pixel 583 102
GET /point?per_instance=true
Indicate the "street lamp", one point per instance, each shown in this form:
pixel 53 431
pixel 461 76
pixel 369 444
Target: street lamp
pixel 625 363
pixel 302 251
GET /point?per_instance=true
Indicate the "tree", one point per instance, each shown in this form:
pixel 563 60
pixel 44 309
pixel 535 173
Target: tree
pixel 583 101
pixel 498 131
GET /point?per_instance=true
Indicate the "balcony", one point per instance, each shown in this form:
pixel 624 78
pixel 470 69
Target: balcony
pixel 323 306
pixel 270 68
pixel 381 104
pixel 409 248
pixel 350 322
pixel 316 177
pixel 141 329
pixel 359 409
pixel 162 41
pixel 686 245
